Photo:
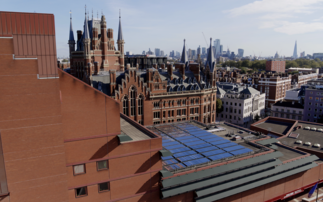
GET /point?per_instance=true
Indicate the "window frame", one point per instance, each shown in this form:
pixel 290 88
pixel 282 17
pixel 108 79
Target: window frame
pixel 84 168
pixel 97 165
pixel 86 191
pixel 103 190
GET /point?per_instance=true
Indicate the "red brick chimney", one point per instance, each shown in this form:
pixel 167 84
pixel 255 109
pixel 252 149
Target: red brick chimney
pixel 170 71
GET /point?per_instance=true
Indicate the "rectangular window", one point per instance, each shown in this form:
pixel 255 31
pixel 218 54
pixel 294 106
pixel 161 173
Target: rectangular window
pixel 178 112
pixel 164 114
pixel 168 113
pixel 183 111
pixel 79 169
pixel 79 192
pixel 311 98
pixel 103 186
pixel 156 115
pixel 102 165
pixel 173 114
pixel 196 110
pixel 317 99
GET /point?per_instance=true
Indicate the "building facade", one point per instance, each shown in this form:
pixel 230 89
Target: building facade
pixel 94 50
pixel 275 88
pixel 275 65
pixel 163 95
pixel 288 110
pixel 240 104
pixel 313 103
pixel 145 61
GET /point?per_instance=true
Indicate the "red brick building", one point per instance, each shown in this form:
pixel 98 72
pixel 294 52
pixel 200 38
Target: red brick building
pixel 57 145
pixel 154 96
pixel 95 50
pixel 62 140
pixel 275 65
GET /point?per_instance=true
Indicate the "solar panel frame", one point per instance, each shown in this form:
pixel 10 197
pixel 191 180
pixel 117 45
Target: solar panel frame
pixel 213 152
pixel 220 156
pixel 211 148
pixel 200 146
pixel 186 153
pixel 229 149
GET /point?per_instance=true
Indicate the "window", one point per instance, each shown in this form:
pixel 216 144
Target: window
pixel 156 115
pixel 168 113
pixel 103 186
pixel 102 165
pixel 317 99
pixel 179 112
pixel 125 106
pixel 82 191
pixel 133 100
pixel 79 169
pixel 196 110
pixel 164 114
pixel 183 111
pixel 192 111
pixel 140 104
pixel 311 98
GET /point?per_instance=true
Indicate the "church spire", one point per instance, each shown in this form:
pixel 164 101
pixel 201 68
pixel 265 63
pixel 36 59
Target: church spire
pixel 120 36
pixel 86 27
pixel 71 37
pixel 210 57
pixel 184 55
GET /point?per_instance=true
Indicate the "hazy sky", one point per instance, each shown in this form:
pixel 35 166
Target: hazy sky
pixel 259 27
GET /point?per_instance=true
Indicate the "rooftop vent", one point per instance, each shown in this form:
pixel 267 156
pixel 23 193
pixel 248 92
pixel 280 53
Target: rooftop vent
pixel 320 129
pixel 314 129
pixel 294 135
pixel 307 128
pixel 307 144
pixel 317 145
pixel 298 142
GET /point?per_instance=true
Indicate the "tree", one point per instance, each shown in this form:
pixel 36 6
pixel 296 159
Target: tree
pixel 219 106
pixel 257 117
pixel 64 60
pixel 246 63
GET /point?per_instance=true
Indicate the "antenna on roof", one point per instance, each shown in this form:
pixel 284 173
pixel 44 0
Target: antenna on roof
pixel 92 13
pixel 71 14
pixel 85 10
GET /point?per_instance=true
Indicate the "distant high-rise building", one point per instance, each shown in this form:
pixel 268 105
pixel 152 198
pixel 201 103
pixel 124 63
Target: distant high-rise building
pixel 128 53
pixel 150 52
pixel 193 54
pixel 276 55
pixel 221 49
pixel 295 51
pixel 144 52
pixel 199 50
pixel 157 51
pixel 217 47
pixel 302 54
pixel 240 52
pixel 178 54
pixel 189 53
pixel 203 50
pixel 172 54
pixel 162 53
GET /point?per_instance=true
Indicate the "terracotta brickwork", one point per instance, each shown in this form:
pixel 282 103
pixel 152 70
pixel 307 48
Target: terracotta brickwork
pixel 275 66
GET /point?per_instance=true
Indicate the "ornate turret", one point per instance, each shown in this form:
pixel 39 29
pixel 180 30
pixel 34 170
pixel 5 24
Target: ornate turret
pixel 120 43
pixel 71 40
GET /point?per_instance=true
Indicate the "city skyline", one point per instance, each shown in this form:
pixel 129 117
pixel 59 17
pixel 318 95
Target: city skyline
pixel 259 27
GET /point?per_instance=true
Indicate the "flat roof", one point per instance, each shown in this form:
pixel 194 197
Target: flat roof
pixel 314 137
pixel 275 126
pixel 128 129
pixel 192 145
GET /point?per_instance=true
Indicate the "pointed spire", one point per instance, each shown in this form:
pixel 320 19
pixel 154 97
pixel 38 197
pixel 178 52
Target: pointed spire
pixel 295 51
pixel 71 38
pixel 86 27
pixel 184 55
pixel 210 57
pixel 120 36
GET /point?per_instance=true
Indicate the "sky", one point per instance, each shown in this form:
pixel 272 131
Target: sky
pixel 261 27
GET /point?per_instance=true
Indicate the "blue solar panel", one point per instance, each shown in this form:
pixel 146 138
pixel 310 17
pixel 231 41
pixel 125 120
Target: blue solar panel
pixel 184 137
pixel 194 143
pixel 186 153
pixel 191 157
pixel 197 132
pixel 170 161
pixel 241 151
pixel 231 144
pixel 200 146
pixel 175 166
pixel 196 161
pixel 190 140
pixel 229 149
pixel 179 150
pixel 220 156
pixel 220 142
pixel 214 152
pixel 166 158
pixel 174 146
pixel 213 139
pixel 201 150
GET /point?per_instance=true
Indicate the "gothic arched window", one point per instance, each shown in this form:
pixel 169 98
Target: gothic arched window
pixel 125 106
pixel 140 105
pixel 133 101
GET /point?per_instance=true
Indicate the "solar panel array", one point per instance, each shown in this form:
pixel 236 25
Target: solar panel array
pixel 191 146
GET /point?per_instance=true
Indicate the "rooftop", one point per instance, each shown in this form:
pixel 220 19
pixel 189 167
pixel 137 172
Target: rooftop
pixel 192 145
pixel 133 132
pixel 275 126
pixel 314 137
